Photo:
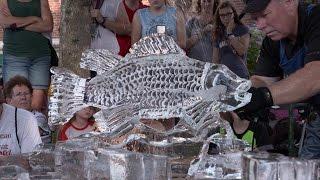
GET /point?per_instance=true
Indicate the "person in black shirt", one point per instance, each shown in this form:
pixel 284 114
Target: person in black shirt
pixel 257 134
pixel 288 68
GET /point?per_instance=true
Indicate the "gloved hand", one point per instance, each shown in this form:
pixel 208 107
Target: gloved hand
pixel 261 98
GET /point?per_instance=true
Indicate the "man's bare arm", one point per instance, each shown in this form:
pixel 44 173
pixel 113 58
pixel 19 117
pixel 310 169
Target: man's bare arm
pixel 122 24
pixel 262 81
pixel 136 29
pixel 215 56
pixel 299 86
pixel 181 30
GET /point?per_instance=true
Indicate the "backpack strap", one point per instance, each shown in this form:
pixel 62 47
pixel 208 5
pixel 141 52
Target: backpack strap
pixel 16 126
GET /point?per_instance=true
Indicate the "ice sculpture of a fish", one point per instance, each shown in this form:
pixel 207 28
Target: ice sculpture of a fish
pixel 155 80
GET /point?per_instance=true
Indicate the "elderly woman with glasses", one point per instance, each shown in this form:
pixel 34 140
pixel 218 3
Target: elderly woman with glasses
pixel 18 93
pixel 231 40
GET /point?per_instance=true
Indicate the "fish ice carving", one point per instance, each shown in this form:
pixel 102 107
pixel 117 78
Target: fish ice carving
pixel 155 80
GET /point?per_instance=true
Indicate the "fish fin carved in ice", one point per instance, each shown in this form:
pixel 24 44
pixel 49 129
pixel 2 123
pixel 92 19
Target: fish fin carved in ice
pixel 196 111
pixel 155 44
pixel 102 60
pixel 99 60
pixel 120 118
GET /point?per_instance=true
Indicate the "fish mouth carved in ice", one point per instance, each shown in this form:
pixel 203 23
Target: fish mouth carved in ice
pixel 156 80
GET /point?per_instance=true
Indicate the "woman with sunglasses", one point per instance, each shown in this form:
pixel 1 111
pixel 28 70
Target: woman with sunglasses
pixel 199 31
pixel 231 40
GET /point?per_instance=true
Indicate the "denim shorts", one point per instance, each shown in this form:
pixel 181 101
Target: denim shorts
pixel 36 70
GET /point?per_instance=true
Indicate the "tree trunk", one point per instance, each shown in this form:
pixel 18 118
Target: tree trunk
pixel 194 6
pixel 74 34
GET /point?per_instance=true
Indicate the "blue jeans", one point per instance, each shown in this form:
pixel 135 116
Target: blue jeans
pixel 36 70
pixel 311 143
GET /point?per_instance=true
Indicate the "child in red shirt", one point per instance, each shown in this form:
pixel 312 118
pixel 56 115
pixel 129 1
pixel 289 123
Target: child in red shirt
pixel 81 123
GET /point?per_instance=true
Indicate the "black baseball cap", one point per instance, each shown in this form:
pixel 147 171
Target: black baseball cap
pixel 254 6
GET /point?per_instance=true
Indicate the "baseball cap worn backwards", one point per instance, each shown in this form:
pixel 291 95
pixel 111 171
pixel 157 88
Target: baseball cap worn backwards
pixel 254 6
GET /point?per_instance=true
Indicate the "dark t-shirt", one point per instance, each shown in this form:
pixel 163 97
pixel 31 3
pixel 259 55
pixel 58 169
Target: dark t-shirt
pixel 24 43
pixel 228 55
pixel 308 35
pixel 261 133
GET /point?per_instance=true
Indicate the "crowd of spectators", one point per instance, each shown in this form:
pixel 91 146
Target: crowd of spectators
pixel 214 34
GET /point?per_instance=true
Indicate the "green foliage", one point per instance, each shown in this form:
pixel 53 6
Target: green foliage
pixel 253 53
pixel 254 48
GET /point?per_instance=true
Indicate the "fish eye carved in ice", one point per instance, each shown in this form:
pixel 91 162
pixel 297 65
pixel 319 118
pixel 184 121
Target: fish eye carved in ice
pixel 155 80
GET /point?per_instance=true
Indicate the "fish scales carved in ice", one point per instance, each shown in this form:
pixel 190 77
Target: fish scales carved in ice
pixel 152 84
pixel 157 78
